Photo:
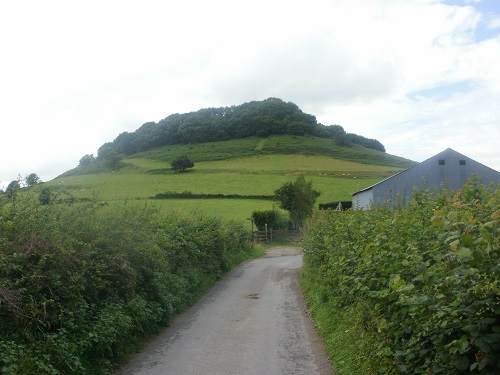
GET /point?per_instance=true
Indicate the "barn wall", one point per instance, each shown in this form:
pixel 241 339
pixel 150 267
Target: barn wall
pixel 448 169
pixel 363 199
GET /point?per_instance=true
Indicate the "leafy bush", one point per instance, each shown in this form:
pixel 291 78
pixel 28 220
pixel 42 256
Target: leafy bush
pixel 429 273
pixel 181 163
pixel 274 219
pixel 82 285
pixel 261 217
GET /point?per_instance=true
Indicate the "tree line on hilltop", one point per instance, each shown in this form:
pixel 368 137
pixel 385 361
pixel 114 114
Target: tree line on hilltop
pixel 15 185
pixel 257 118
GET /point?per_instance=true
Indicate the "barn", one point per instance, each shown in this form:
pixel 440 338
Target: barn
pixel 448 169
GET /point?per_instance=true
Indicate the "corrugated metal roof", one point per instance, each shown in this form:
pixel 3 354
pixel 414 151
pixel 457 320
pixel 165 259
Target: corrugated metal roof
pixel 448 150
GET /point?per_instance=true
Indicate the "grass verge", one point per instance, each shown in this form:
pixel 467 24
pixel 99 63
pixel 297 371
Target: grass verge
pixel 341 328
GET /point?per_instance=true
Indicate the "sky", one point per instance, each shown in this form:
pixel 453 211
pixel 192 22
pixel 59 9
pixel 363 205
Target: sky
pixel 420 76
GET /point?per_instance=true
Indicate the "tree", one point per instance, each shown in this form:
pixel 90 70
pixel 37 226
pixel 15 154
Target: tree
pixel 104 150
pixel 181 163
pixel 297 198
pixel 32 179
pixel 13 188
pixel 87 159
pixel 112 160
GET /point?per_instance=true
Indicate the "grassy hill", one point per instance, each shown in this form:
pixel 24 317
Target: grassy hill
pixel 261 119
pixel 247 167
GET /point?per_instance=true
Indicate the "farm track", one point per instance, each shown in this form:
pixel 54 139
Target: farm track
pixel 254 321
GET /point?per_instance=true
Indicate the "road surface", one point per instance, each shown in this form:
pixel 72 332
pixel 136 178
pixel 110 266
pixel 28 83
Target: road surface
pixel 253 322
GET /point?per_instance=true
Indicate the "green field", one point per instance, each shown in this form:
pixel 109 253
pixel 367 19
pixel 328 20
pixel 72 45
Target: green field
pixel 275 145
pixel 240 176
pixel 220 168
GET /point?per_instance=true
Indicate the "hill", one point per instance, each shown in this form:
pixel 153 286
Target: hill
pixel 247 147
pixel 242 154
pixel 253 119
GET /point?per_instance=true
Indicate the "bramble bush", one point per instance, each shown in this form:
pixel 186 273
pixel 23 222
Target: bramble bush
pixel 81 286
pixel 425 277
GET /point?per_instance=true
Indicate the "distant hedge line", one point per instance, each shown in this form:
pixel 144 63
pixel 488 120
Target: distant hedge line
pixel 424 280
pixel 82 286
pixel 189 195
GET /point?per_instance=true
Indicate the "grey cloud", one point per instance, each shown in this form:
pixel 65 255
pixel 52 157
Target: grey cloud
pixel 312 70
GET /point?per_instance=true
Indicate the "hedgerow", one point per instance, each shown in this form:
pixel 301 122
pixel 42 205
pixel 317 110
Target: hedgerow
pixel 81 286
pixel 189 195
pixel 425 279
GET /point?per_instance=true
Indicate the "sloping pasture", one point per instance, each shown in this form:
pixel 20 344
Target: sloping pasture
pixel 143 178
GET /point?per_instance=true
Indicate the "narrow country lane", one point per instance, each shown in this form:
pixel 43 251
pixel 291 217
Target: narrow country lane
pixel 254 321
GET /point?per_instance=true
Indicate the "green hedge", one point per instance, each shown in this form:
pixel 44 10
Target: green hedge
pixel 189 195
pixel 82 286
pixel 426 279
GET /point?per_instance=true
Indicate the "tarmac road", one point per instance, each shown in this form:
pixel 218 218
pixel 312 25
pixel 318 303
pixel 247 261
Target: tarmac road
pixel 253 322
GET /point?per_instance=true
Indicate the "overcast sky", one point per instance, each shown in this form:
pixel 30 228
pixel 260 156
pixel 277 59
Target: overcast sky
pixel 418 75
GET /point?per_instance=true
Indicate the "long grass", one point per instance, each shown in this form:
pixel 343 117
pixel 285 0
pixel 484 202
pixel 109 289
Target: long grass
pixel 346 343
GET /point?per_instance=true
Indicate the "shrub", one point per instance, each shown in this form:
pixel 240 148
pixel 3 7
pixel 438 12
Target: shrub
pixel 273 218
pixel 429 273
pixel 261 217
pixel 82 285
